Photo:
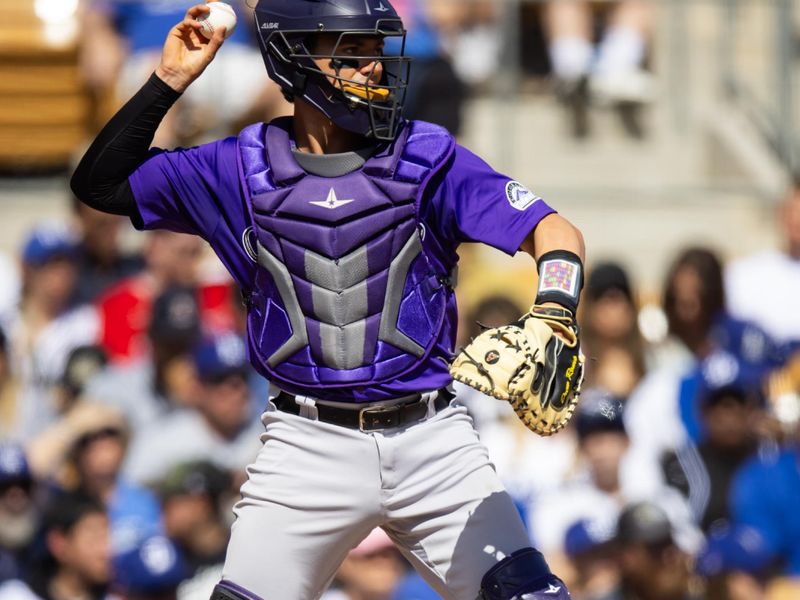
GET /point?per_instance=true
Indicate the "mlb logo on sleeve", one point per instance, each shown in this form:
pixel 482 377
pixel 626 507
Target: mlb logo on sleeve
pixel 519 196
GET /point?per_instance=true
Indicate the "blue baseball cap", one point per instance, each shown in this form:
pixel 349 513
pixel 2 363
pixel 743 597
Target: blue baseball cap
pixel 155 565
pixel 748 343
pixel 586 535
pixel 723 374
pixel 731 548
pixel 218 357
pixel 48 241
pixel 13 464
pixel 598 411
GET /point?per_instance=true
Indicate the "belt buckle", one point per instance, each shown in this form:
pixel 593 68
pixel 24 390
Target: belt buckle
pixel 379 410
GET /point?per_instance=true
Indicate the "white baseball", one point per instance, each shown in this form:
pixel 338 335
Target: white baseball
pixel 219 15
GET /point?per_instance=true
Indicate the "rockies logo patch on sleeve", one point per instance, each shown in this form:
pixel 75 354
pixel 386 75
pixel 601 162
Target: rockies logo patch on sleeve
pixel 519 196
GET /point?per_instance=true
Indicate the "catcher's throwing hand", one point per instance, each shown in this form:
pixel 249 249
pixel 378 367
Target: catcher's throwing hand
pixel 186 52
pixel 535 364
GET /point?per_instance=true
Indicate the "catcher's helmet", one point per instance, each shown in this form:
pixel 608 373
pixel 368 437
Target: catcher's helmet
pixel 284 28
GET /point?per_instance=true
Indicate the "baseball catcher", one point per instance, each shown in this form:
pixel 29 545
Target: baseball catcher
pixel 341 224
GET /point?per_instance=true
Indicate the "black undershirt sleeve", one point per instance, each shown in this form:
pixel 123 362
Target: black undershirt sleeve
pixel 101 179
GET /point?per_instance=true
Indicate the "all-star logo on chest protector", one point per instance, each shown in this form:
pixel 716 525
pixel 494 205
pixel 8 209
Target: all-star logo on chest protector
pixel 346 293
pixel 331 202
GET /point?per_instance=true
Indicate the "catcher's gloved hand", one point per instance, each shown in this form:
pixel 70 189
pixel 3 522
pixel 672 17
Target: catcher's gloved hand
pixel 535 364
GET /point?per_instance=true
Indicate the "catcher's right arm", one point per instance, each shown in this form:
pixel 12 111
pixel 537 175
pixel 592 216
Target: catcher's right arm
pixel 535 364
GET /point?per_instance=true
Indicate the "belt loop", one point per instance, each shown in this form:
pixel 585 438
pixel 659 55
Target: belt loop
pixel 308 407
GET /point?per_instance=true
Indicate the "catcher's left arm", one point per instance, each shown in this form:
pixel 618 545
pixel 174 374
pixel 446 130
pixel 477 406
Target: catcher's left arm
pixel 536 363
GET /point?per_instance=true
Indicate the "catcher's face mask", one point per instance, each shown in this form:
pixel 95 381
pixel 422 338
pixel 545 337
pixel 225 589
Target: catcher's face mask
pixel 331 55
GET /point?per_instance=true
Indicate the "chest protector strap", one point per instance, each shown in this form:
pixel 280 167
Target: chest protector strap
pixel 346 291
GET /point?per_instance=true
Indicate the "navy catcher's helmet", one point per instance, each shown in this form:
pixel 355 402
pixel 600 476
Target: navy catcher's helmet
pixel 284 28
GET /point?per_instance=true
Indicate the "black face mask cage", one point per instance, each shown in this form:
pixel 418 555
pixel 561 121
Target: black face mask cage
pixel 383 101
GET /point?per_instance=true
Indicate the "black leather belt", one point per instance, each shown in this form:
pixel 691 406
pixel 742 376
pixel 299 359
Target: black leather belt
pixel 370 418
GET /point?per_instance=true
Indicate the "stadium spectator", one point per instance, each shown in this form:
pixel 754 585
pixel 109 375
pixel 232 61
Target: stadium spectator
pixel 218 430
pixel 613 72
pixel 195 502
pixel 652 565
pixel 83 364
pixel 47 448
pixel 48 328
pixel 469 31
pixel 152 570
pixel 76 559
pixel 149 389
pixel 611 337
pixel 594 574
pixel 172 260
pixel 375 570
pixel 775 310
pixel 728 400
pixel 19 513
pixel 694 298
pixel 732 561
pixel 611 476
pixel 694 302
pixel 101 261
pixel 764 496
pixel 94 455
pixel 125 47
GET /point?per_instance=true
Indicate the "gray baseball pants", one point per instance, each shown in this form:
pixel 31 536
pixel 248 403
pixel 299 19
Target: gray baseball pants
pixel 316 490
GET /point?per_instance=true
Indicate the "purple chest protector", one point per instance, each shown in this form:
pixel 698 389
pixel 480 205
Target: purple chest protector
pixel 347 294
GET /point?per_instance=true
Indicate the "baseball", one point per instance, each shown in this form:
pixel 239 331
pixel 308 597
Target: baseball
pixel 219 15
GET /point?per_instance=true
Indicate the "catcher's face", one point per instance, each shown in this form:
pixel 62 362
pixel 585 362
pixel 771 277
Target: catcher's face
pixel 604 451
pixel 351 62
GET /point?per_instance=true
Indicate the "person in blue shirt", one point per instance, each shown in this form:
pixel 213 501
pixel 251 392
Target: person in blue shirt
pixel 765 495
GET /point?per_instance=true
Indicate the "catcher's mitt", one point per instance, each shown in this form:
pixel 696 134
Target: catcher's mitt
pixel 535 364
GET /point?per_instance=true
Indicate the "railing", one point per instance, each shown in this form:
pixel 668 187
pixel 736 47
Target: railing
pixel 766 91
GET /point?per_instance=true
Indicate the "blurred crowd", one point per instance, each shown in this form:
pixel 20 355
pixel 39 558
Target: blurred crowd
pixel 128 411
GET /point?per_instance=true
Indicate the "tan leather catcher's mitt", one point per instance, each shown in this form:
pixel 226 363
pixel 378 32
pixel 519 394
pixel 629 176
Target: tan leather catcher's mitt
pixel 535 364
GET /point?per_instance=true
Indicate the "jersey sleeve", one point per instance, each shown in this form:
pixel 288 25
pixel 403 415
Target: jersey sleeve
pixel 475 203
pixel 188 190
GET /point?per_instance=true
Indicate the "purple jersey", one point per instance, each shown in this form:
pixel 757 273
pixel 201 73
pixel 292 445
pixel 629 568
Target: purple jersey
pixel 199 191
